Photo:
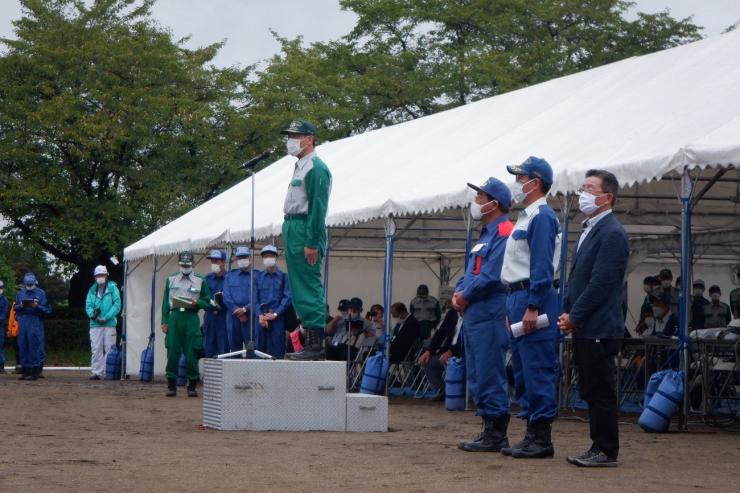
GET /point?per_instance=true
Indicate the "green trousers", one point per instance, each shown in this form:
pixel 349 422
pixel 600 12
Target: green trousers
pixel 306 291
pixel 183 336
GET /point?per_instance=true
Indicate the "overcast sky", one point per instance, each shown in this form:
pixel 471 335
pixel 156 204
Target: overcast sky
pixel 246 24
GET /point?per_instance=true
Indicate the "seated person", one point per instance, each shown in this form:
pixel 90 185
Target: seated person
pixel 376 316
pixel 444 344
pixel 349 332
pixel 666 322
pixel 405 332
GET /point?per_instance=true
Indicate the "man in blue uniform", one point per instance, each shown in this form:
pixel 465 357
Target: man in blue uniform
pixel 4 310
pixel 237 301
pixel 480 297
pixel 273 299
pixel 30 308
pixel 529 265
pixel 215 338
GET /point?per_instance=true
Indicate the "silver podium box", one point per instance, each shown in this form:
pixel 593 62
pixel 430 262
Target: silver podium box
pixel 367 412
pixel 262 395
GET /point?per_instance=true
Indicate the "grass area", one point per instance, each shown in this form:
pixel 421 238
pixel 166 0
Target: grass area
pixel 55 358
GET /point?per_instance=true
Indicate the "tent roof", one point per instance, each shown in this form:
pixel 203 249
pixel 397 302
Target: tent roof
pixel 641 118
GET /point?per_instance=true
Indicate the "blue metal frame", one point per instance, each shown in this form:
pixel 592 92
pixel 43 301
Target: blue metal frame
pixel 683 309
pixel 390 231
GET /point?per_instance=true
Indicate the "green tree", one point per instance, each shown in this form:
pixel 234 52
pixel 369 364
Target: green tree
pixel 109 128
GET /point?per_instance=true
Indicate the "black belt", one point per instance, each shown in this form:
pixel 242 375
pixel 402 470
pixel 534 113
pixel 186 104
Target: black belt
pixel 288 217
pixel 183 310
pixel 518 286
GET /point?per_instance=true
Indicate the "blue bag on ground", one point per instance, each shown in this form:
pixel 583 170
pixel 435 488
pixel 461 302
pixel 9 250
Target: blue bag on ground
pixel 373 378
pixel 113 364
pixel 657 415
pixel 455 384
pixel 652 386
pixel 181 380
pixel 146 368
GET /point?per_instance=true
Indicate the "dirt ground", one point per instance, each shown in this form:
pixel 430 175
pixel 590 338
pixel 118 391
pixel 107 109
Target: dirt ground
pixel 66 433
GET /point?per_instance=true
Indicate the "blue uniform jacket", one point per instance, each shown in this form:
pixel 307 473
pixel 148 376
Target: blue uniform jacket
pixel 273 292
pixel 481 285
pixel 41 310
pixel 4 309
pixel 236 289
pixel 594 292
pixel 542 234
pixel 216 285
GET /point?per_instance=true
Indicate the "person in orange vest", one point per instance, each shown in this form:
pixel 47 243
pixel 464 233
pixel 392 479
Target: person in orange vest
pixel 4 306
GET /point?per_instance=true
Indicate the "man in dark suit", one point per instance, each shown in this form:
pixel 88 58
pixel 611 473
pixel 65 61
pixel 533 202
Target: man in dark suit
pixel 405 332
pixel 593 313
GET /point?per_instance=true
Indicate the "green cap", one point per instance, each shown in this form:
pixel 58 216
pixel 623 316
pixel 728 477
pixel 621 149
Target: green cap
pixel 185 258
pixel 300 127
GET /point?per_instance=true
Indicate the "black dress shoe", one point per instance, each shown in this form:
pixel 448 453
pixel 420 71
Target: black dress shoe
pixel 599 459
pixel 95 377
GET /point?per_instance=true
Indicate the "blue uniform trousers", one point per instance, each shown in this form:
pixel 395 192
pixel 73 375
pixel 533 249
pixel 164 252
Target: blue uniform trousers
pixel 238 332
pixel 215 337
pixel 486 343
pixel 30 341
pixel 272 339
pixel 534 359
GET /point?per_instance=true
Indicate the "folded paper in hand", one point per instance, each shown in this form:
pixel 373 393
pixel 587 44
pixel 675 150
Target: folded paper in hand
pixel 517 330
pixel 181 302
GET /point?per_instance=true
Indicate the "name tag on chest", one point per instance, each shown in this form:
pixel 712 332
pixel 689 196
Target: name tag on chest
pixel 478 247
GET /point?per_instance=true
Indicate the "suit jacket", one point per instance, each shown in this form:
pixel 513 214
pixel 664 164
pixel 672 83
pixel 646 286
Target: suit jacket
pixel 442 339
pixel 594 292
pixel 402 342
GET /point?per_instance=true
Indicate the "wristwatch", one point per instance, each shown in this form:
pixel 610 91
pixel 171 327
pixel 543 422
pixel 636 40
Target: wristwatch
pixel 532 306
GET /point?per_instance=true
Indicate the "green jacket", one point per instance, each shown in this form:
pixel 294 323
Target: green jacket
pixel 109 305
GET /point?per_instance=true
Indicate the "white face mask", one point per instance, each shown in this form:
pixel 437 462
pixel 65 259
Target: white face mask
pixel 395 321
pixel 658 311
pixel 100 280
pixel 30 286
pixel 698 293
pixel 293 146
pixel 269 262
pixel 186 270
pixel 476 210
pixel 517 191
pixel 587 203
pixel 715 296
pixel 1 290
pixel 650 323
pixel 215 268
pixel 243 263
pixel 666 284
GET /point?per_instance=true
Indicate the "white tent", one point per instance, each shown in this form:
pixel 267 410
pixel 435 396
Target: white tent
pixel 643 118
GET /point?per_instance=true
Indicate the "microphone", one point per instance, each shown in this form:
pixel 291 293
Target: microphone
pixel 256 159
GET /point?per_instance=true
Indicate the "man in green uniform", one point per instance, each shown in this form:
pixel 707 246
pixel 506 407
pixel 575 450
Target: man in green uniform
pixel 184 294
pixel 304 234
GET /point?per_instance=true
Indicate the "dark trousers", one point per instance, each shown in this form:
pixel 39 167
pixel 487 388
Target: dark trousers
pixel 597 382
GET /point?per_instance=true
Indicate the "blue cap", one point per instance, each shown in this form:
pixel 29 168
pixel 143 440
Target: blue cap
pixel 216 255
pixel 269 249
pixel 496 189
pixel 533 166
pixel 242 251
pixel 29 278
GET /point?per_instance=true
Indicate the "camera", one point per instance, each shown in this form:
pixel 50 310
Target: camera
pixel 96 313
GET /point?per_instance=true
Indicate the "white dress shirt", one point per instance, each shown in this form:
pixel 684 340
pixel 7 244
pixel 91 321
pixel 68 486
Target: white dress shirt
pixel 589 224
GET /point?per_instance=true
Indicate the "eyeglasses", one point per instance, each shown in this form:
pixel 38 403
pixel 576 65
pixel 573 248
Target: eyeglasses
pixel 591 190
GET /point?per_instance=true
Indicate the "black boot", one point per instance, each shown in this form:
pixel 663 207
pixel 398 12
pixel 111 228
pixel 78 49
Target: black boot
pixel 34 373
pixel 171 387
pixel 314 348
pixel 18 370
pixel 39 371
pixel 191 388
pixel 493 437
pixel 2 365
pixel 540 446
pixel 25 373
pixel 528 437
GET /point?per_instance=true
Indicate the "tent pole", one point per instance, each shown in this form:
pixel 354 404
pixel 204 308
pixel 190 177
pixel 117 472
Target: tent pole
pixel 123 321
pixel 228 256
pixel 326 265
pixel 468 235
pixel 153 310
pixel 252 307
pixel 684 300
pixel 561 295
pixel 390 230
